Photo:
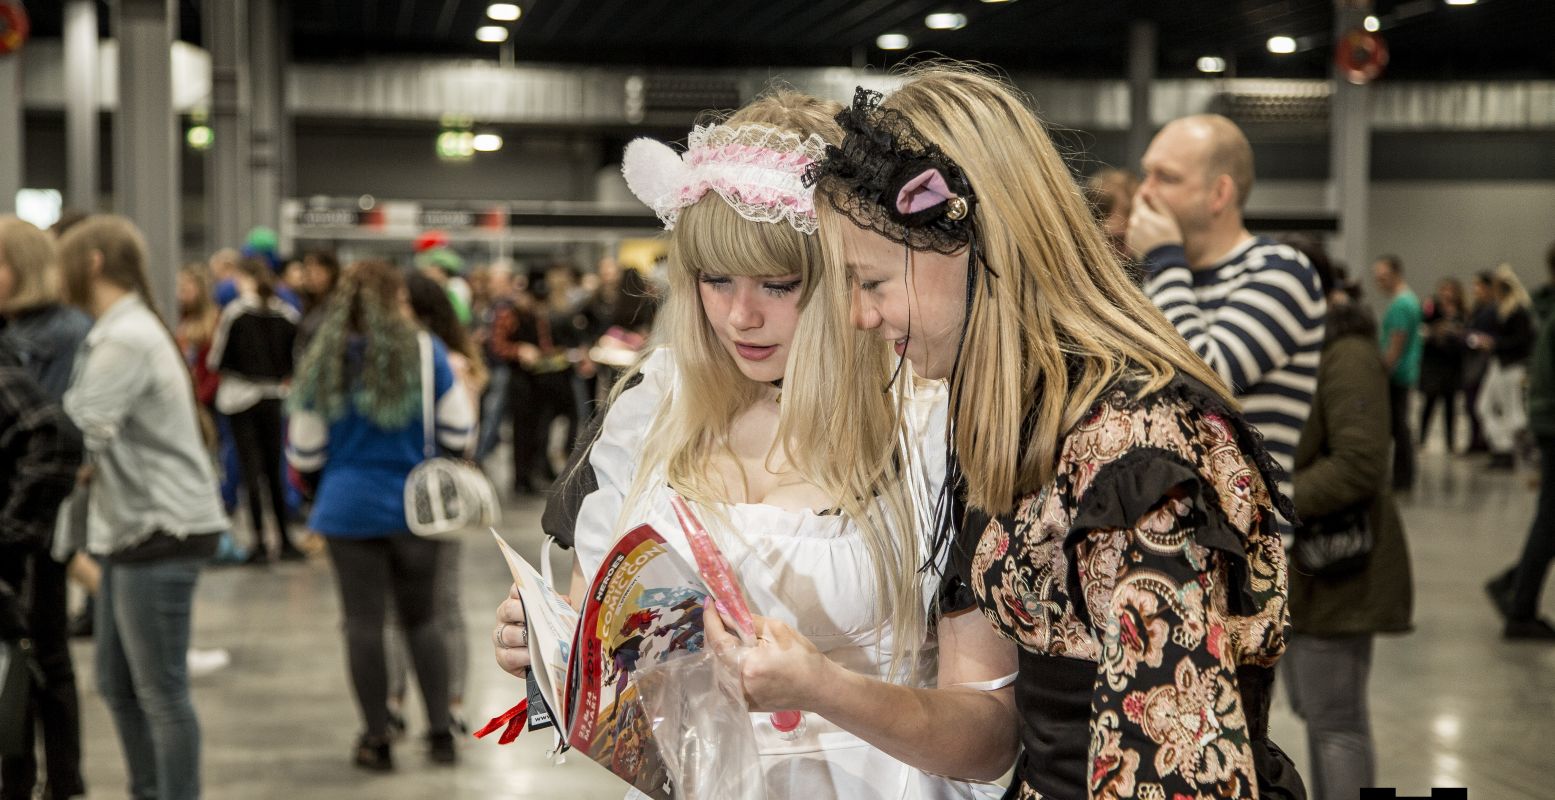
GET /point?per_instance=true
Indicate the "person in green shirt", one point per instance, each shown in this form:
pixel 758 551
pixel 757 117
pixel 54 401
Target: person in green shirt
pixel 1402 346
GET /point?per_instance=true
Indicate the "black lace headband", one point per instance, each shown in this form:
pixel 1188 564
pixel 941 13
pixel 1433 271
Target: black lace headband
pixel 889 179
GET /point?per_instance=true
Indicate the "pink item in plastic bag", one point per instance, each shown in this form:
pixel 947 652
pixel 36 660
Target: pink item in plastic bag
pixel 720 580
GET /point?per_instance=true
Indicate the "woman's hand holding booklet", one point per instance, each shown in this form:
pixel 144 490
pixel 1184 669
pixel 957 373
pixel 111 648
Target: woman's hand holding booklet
pixel 627 679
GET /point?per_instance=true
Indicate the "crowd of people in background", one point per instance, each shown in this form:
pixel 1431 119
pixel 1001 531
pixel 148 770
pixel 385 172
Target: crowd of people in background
pixel 227 402
pixel 290 386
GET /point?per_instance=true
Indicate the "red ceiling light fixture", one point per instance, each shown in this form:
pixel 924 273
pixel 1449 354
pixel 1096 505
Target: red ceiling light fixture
pixel 1361 56
pixel 14 26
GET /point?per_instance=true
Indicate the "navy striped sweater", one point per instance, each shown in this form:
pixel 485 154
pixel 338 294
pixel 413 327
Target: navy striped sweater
pixel 1257 319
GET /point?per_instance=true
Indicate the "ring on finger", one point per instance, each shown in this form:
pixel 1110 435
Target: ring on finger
pixel 497 636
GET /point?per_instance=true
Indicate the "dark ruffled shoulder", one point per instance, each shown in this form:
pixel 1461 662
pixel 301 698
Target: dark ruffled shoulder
pixel 1138 482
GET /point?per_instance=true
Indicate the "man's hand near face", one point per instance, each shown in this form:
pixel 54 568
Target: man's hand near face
pixel 1150 226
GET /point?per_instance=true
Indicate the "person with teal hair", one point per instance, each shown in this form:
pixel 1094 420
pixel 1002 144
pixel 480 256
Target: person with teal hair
pixel 356 431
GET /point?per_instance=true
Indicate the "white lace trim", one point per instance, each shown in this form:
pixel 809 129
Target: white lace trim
pixel 756 169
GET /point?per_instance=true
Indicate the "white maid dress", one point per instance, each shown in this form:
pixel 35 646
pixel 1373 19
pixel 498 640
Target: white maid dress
pixel 807 569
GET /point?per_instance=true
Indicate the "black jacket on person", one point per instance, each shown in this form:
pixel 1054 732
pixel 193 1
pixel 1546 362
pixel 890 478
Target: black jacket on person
pixel 40 451
pixel 1514 337
pixel 256 340
pixel 1442 358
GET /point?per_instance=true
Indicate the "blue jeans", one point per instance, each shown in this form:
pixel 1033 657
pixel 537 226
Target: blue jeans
pixel 1326 678
pixel 227 456
pixel 143 620
pixel 494 409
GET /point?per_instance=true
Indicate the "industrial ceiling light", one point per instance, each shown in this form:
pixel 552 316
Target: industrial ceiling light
pixel 496 34
pixel 996 1
pixel 455 145
pixel 1372 24
pixel 893 41
pixel 200 137
pixel 487 142
pixel 1282 45
pixel 1212 64
pixel 945 22
pixel 1461 2
pixel 504 12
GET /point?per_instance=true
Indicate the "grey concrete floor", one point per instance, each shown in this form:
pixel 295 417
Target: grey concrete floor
pixel 1452 704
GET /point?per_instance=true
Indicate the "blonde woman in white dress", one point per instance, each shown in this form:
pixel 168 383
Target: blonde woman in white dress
pixel 763 408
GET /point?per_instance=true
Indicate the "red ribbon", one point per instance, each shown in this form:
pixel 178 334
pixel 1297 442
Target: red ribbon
pixel 514 718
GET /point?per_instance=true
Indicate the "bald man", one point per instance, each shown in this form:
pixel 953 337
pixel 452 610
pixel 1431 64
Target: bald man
pixel 1252 308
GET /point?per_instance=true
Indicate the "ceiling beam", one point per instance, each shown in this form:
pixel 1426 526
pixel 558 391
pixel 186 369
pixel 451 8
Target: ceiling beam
pixel 405 24
pixel 558 14
pixel 445 19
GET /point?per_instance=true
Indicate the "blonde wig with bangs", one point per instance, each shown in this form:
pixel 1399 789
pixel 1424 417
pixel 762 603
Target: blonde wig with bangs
pixel 838 427
pixel 1058 322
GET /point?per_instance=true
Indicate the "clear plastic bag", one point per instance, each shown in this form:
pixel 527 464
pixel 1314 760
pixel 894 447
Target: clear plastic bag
pixel 701 726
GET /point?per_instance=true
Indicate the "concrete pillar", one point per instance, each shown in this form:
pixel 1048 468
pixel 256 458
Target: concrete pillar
pixel 228 201
pixel 81 106
pixel 286 136
pixel 146 140
pixel 267 117
pixel 1350 150
pixel 11 158
pixel 1141 75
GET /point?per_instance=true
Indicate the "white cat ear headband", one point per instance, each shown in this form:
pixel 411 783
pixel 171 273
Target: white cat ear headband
pixel 757 169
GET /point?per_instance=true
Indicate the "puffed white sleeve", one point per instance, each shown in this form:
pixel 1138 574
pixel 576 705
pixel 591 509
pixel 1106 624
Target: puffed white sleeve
pixel 584 511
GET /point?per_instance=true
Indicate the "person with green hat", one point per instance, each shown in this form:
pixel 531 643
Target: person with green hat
pixel 444 265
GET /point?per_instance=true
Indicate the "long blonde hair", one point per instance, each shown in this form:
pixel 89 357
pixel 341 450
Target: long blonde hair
pixel 30 254
pixel 1516 296
pixel 837 425
pixel 1058 322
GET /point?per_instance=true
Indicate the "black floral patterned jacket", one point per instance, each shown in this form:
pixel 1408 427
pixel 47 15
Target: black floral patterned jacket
pixel 1146 587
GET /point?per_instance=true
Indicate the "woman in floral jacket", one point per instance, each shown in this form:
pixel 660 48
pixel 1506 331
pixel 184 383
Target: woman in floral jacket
pixel 1120 519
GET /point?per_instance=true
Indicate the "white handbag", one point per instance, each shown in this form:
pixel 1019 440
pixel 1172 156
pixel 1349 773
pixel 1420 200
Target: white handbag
pixel 444 495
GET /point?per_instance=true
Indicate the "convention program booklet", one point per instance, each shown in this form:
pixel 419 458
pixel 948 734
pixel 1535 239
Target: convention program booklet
pixel 552 624
pixel 643 608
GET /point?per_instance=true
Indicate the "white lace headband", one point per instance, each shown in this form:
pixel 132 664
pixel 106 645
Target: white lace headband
pixel 757 169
